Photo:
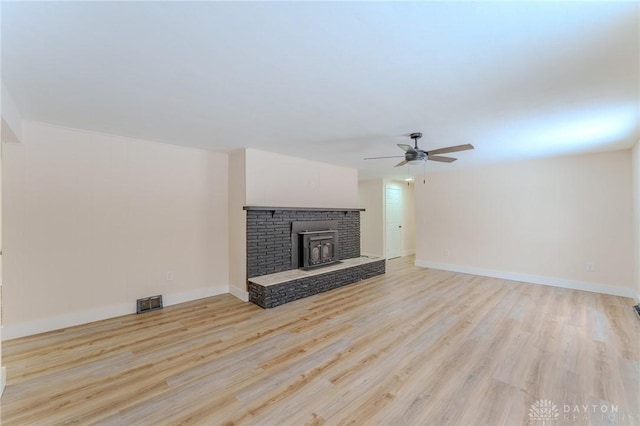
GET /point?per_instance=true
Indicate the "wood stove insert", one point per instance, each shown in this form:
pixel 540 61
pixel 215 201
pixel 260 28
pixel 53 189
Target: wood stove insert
pixel 319 248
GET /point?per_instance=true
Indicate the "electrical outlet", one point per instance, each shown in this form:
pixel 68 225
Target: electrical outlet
pixel 589 266
pixel 447 252
pixel 169 276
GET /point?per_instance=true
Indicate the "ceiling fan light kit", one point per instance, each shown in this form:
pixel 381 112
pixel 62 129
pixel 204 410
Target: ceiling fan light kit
pixel 414 155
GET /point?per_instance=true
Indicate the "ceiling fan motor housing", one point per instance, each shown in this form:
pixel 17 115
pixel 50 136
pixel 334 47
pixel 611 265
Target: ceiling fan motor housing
pixel 415 156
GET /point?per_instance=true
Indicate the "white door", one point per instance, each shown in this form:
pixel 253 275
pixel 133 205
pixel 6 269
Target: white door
pixel 393 213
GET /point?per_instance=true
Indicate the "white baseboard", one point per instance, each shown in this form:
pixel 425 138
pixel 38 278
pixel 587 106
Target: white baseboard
pixel 408 253
pixel 240 294
pixel 57 322
pixel 532 279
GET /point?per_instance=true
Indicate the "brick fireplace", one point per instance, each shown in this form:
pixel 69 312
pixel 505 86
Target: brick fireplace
pixel 269 236
pixel 283 239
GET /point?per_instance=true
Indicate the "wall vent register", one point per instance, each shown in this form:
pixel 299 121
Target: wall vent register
pixel 149 304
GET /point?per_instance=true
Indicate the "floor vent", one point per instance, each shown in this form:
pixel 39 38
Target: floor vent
pixel 149 304
pixel 637 310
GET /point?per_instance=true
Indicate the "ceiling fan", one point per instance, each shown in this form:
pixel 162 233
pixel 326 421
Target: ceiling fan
pixel 415 155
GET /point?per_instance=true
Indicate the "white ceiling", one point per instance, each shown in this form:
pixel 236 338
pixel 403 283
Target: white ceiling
pixel 337 81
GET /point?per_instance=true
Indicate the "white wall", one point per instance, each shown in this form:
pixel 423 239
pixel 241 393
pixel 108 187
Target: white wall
pixel 10 132
pixel 237 224
pixel 636 214
pixel 283 181
pixel 92 222
pixel 538 221
pixel 3 376
pixel 371 198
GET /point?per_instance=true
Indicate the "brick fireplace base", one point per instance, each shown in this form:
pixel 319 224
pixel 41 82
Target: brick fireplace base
pixel 273 290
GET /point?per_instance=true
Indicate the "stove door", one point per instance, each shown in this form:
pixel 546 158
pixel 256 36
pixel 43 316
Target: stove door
pixel 315 252
pixel 327 251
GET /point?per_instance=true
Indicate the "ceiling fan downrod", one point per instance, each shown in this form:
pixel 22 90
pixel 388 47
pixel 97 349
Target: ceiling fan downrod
pixel 415 137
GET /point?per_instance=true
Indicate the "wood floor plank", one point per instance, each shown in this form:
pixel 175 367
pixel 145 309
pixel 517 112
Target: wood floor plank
pixel 414 346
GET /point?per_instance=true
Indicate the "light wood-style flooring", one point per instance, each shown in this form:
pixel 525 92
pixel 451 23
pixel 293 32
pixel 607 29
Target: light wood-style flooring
pixel 412 347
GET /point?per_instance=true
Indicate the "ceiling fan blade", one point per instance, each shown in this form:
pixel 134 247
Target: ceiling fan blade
pixel 402 163
pixel 451 149
pixel 441 159
pixel 406 148
pixel 379 158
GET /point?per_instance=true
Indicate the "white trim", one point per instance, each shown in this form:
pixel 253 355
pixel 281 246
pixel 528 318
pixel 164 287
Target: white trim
pixel 240 294
pixel 65 320
pixel 101 313
pixel 408 252
pixel 532 279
